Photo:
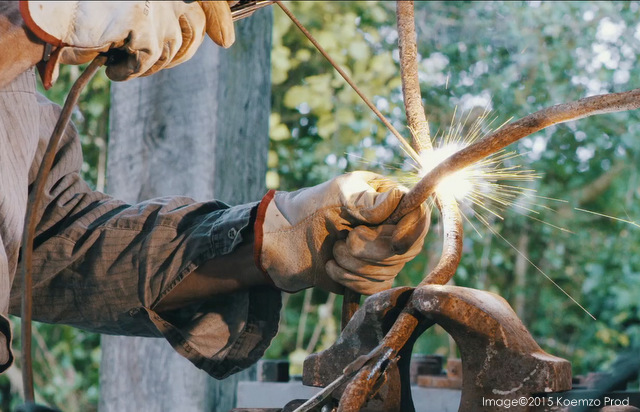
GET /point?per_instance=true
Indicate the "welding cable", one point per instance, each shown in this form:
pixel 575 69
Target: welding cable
pixel 30 223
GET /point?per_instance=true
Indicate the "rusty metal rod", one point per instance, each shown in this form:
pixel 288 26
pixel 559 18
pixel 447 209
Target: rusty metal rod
pixel 514 131
pixel 30 223
pixel 417 121
pixel 408 48
pixel 452 242
pixel 350 305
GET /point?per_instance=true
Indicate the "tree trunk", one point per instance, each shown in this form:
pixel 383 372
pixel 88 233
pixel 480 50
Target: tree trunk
pixel 201 130
pixel 520 272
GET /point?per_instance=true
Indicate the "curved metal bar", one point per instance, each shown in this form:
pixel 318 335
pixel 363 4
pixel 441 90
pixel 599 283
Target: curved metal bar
pixel 514 131
pixel 452 243
pixel 402 329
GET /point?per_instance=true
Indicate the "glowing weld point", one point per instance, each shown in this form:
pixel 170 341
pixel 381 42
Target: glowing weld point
pixel 484 188
pixel 458 184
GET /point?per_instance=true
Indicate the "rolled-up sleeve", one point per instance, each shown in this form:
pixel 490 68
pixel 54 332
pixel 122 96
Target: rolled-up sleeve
pixel 102 265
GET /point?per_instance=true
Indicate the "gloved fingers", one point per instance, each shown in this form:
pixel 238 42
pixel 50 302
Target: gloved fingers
pixel 385 203
pixel 359 284
pixel 375 245
pixel 162 62
pixel 133 62
pixel 373 269
pixel 411 229
pixel 178 40
pixel 171 44
pixel 376 204
pixel 153 54
pixel 191 36
pixel 370 244
pixel 219 22
pixel 372 207
pixel 358 198
pixel 384 184
pixel 126 66
pixel 77 55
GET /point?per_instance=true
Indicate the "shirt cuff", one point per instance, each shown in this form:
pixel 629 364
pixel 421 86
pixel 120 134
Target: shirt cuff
pixel 223 338
pixel 227 333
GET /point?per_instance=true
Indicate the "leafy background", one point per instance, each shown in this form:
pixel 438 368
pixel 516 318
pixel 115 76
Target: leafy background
pixel 512 57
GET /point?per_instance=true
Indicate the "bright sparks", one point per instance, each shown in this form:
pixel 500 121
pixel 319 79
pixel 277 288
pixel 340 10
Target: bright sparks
pixel 489 186
pixel 458 184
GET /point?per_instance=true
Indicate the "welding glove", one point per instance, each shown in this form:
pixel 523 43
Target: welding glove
pixel 334 235
pixel 151 35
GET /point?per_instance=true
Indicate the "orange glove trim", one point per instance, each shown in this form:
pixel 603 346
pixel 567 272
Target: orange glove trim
pixel 31 25
pixel 258 233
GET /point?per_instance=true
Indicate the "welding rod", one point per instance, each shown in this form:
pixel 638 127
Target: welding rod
pixel 244 9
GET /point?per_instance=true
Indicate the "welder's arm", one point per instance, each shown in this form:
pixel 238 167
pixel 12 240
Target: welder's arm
pixel 330 236
pixel 147 35
pixel 218 276
pixel 103 264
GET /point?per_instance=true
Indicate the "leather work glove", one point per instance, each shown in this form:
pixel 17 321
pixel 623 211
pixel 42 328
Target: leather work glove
pixel 152 35
pixel 333 235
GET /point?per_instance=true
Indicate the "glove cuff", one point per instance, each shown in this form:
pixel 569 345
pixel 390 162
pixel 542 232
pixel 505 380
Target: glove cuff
pixel 258 233
pixel 30 21
pixel 49 69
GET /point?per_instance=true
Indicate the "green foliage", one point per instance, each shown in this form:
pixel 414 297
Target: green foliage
pixel 318 119
pixel 91 119
pixel 515 58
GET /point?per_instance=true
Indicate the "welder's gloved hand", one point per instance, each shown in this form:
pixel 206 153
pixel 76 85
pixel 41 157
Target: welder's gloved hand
pixel 333 235
pixel 151 35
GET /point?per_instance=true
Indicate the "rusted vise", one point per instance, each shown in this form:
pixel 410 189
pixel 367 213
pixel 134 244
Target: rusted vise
pixel 500 359
pixel 361 335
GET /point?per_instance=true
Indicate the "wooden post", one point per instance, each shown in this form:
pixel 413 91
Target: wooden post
pixel 201 130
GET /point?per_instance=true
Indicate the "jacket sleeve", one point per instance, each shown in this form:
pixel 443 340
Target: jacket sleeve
pixel 102 265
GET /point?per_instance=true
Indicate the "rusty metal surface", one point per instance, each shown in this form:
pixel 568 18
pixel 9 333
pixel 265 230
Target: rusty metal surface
pixel 368 395
pixel 500 359
pixel 364 332
pixel 360 337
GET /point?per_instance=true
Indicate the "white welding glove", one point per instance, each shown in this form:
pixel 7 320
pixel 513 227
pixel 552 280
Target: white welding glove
pixel 152 34
pixel 333 235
